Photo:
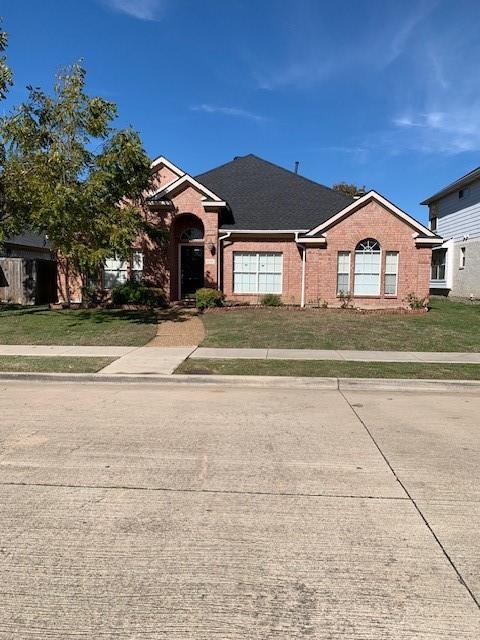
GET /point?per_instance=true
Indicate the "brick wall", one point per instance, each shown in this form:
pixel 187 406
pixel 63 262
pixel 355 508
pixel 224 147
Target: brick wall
pixel 371 221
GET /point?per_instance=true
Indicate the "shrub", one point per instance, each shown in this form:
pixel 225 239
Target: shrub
pixel 208 298
pixel 271 300
pixel 137 293
pixel 414 302
pixel 345 299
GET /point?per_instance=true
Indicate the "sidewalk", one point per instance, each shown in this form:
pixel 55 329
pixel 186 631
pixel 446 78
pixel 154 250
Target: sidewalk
pixel 324 354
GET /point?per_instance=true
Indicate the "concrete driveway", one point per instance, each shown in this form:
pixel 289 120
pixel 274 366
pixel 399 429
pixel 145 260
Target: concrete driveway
pixel 146 511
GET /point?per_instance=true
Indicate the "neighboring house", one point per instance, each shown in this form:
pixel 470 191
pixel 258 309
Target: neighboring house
pixel 250 227
pixel 454 214
pixel 27 270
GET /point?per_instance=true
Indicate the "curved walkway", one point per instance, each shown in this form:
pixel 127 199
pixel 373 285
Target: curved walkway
pixel 178 327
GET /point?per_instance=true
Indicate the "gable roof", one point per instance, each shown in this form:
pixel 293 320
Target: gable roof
pixel 422 230
pixel 455 185
pixel 262 195
pixel 179 182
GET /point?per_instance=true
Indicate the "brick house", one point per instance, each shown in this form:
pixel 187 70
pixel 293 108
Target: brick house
pixel 250 227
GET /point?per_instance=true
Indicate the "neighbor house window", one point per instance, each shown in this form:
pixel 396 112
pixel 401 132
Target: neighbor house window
pixel 343 272
pixel 433 223
pixel 367 268
pixel 257 272
pixel 439 258
pixel 463 192
pixel 391 273
pixel 463 252
pixel 137 265
pixel 115 271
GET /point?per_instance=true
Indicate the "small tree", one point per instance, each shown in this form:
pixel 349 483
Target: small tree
pixel 68 174
pixel 349 189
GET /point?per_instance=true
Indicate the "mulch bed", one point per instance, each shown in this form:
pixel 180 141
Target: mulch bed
pixel 290 307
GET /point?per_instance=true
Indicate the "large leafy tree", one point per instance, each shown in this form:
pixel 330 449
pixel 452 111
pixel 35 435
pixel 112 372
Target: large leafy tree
pixel 5 82
pixel 69 174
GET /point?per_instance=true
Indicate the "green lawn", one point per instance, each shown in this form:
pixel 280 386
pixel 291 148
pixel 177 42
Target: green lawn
pixel 52 364
pixel 331 369
pixel 448 326
pixel 40 325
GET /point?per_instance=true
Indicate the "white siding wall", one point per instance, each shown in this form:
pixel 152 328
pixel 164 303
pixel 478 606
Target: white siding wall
pixel 458 217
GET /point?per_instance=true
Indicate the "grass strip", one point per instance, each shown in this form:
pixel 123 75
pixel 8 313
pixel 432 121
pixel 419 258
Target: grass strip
pixel 52 364
pixel 331 369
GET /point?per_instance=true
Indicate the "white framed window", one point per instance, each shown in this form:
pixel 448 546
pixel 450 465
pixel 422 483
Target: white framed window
pixel 439 261
pixel 115 271
pixel 463 257
pixel 257 272
pixel 367 268
pixel 391 273
pixel 343 272
pixel 137 265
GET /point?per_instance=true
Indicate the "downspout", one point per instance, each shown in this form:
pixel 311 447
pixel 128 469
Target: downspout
pixel 304 259
pixel 220 255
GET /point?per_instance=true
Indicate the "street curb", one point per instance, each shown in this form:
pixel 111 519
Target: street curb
pixel 275 382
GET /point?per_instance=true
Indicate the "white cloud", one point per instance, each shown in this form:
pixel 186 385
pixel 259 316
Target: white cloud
pixel 140 9
pixel 454 131
pixel 229 111
pixel 312 53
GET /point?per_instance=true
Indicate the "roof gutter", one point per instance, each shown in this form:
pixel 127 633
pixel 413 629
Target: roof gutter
pixel 220 255
pixel 304 260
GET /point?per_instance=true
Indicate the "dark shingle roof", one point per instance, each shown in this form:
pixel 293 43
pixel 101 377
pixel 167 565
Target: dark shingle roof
pixel 454 186
pixel 262 195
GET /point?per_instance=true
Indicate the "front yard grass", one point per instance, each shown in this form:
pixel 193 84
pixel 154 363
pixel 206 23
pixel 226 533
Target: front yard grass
pixel 106 327
pixel 448 326
pixel 331 369
pixel 52 364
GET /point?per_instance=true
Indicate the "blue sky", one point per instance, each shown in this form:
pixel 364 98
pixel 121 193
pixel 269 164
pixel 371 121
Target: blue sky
pixel 378 92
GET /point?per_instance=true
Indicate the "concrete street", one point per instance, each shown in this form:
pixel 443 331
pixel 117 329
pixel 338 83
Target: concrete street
pixel 135 511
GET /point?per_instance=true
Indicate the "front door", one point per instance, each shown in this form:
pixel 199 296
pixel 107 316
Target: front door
pixel 191 270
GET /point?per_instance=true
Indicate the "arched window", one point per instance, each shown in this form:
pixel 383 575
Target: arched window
pixel 189 235
pixel 367 268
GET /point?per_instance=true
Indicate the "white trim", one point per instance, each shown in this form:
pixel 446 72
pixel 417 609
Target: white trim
pixel 268 231
pixel 363 200
pixel 320 240
pixel 214 203
pixel 187 178
pixel 430 241
pixel 168 164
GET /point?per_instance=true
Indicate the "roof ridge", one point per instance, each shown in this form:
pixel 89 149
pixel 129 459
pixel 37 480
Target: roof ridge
pixel 277 166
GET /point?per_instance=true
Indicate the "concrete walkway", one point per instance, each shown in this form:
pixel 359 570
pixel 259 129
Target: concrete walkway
pixel 148 361
pixel 325 354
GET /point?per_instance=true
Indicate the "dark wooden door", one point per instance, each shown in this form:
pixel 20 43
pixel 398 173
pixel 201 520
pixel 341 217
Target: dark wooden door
pixel 191 270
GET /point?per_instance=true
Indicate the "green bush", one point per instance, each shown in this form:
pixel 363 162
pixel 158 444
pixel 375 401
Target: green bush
pixel 271 300
pixel 137 293
pixel 208 298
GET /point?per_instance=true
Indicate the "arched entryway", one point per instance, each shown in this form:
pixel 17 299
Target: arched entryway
pixel 188 233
